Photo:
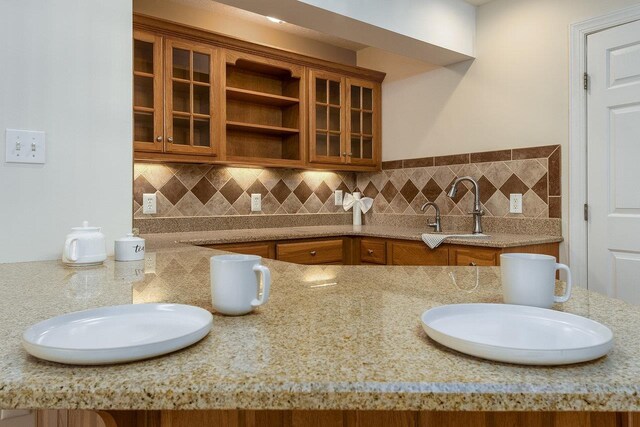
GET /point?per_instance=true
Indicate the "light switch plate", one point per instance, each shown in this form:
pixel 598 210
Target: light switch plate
pixel 24 146
pixel 515 203
pixel 338 198
pixel 149 203
pixel 256 202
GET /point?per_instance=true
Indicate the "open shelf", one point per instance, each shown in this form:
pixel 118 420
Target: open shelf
pixel 264 129
pixel 247 95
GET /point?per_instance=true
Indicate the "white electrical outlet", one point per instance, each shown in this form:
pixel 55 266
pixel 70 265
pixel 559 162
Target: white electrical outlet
pixel 338 198
pixel 149 203
pixel 515 203
pixel 256 202
pixel 24 146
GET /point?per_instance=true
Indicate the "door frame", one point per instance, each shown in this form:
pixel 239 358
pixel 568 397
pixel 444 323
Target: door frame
pixel 578 236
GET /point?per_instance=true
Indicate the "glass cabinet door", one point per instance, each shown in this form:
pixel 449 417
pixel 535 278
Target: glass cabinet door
pixel 327 111
pixel 147 92
pixel 362 122
pixel 192 101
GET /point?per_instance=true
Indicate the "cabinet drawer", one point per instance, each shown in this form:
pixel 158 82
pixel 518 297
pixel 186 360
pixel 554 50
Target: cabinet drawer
pixel 318 252
pixel 473 256
pixel 263 249
pixel 373 251
pixel 417 253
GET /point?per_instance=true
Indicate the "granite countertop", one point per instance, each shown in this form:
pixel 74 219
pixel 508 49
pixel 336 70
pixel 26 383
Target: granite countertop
pixel 331 337
pixel 495 240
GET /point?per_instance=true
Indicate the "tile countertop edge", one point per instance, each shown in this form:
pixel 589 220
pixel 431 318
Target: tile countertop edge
pixel 496 240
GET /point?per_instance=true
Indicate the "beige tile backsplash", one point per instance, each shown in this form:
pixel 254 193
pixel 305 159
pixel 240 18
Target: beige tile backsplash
pixel 185 190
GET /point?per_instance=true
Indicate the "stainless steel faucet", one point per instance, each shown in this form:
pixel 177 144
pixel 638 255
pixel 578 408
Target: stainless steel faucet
pixel 477 209
pixel 436 224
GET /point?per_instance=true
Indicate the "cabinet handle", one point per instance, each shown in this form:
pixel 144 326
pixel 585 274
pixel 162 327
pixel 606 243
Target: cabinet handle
pixel 473 264
pixel 170 139
pixel 370 251
pixel 344 154
pixel 159 138
pixel 313 253
pixel 350 154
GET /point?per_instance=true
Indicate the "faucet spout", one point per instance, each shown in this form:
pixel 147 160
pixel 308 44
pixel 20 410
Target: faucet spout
pixel 477 208
pixel 436 224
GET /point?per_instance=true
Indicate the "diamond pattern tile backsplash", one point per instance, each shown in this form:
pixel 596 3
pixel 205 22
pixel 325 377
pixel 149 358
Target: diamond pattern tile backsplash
pixel 202 190
pixel 402 187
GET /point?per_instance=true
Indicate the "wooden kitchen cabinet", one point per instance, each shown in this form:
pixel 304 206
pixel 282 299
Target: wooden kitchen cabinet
pixel 262 249
pixel 176 103
pixel 472 256
pixel 416 253
pixel 344 120
pixel 380 251
pixel 373 251
pixel 148 115
pixel 200 97
pixel 327 110
pixel 265 102
pixel 192 103
pixel 311 252
pixel 363 122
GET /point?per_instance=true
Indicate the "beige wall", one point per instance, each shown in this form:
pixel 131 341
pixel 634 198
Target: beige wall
pixel 514 94
pixel 70 76
pixel 202 14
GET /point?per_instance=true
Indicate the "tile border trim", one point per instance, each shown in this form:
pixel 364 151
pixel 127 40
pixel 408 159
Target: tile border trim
pixel 538 152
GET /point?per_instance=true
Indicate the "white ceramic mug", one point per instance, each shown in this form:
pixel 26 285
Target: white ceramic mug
pixel 530 279
pixel 235 283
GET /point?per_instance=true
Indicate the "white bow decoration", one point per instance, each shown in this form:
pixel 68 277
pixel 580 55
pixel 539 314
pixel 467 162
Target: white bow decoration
pixel 358 204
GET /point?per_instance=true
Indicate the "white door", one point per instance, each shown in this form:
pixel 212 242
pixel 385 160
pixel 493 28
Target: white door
pixel 613 166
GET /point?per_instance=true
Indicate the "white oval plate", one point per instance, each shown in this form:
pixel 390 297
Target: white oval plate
pixel 517 333
pixel 116 334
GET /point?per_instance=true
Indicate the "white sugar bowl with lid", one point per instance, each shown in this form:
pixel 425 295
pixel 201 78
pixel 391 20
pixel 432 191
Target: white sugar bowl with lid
pixel 84 246
pixel 129 248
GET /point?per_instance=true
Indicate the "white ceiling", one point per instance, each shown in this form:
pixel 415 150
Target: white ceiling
pixel 257 19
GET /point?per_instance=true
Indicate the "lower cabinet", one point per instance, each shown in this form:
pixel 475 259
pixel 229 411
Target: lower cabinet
pixel 263 249
pixel 311 252
pixel 467 255
pixel 415 253
pixel 379 251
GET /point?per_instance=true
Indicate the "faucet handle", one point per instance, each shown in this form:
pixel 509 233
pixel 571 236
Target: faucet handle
pixel 480 212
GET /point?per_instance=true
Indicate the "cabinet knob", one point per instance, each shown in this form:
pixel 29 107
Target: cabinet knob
pixel 370 251
pixel 313 253
pixel 344 154
pixel 170 139
pixel 159 138
pixel 473 264
pixel 350 154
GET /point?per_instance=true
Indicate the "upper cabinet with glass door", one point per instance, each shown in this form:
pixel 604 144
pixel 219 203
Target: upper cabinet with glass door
pixel 201 97
pixel 192 104
pixel 344 117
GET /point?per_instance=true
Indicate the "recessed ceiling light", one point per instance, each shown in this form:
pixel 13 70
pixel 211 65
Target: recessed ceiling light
pixel 276 20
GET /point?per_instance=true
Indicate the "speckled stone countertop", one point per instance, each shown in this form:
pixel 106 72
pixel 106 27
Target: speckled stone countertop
pixel 495 240
pixel 331 337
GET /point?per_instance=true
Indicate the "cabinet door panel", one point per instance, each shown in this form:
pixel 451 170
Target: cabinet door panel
pixel 263 249
pixel 373 251
pixel 147 92
pixel 316 252
pixel 327 109
pixel 473 256
pixel 193 101
pixel 417 253
pixel 363 126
